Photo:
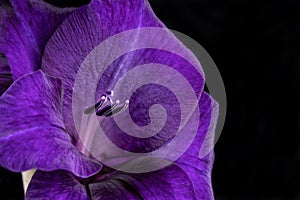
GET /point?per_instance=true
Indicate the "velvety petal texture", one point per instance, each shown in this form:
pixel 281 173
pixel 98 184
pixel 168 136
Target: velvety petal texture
pixel 5 74
pixel 147 95
pixel 198 160
pixel 32 134
pixel 188 178
pixel 37 128
pixel 26 26
pixel 95 22
pixel 56 185
pixel 170 183
pixel 166 184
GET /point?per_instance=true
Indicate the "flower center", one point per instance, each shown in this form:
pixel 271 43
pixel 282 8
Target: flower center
pixel 106 106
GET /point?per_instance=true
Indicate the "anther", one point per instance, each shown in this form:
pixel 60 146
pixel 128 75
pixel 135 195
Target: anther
pixel 116 109
pixel 106 110
pixel 95 107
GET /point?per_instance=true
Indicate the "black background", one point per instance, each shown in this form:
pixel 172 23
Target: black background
pixel 256 48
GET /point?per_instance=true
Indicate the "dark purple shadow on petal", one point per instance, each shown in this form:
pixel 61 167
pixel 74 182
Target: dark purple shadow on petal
pixel 166 184
pixel 5 74
pixel 32 134
pixel 56 185
pixel 112 189
pixel 26 27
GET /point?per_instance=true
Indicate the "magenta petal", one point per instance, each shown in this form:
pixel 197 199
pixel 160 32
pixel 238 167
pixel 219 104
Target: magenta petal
pixel 32 134
pixel 26 26
pixel 56 185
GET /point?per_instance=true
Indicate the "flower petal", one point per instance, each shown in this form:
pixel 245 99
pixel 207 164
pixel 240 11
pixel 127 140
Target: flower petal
pixel 58 185
pixel 169 183
pixel 112 189
pixel 173 95
pixel 5 74
pixel 95 22
pixel 190 176
pixel 26 26
pixel 32 134
pixel 197 161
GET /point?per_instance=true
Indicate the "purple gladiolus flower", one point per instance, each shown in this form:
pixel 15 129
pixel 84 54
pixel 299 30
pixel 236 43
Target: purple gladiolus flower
pixel 67 71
